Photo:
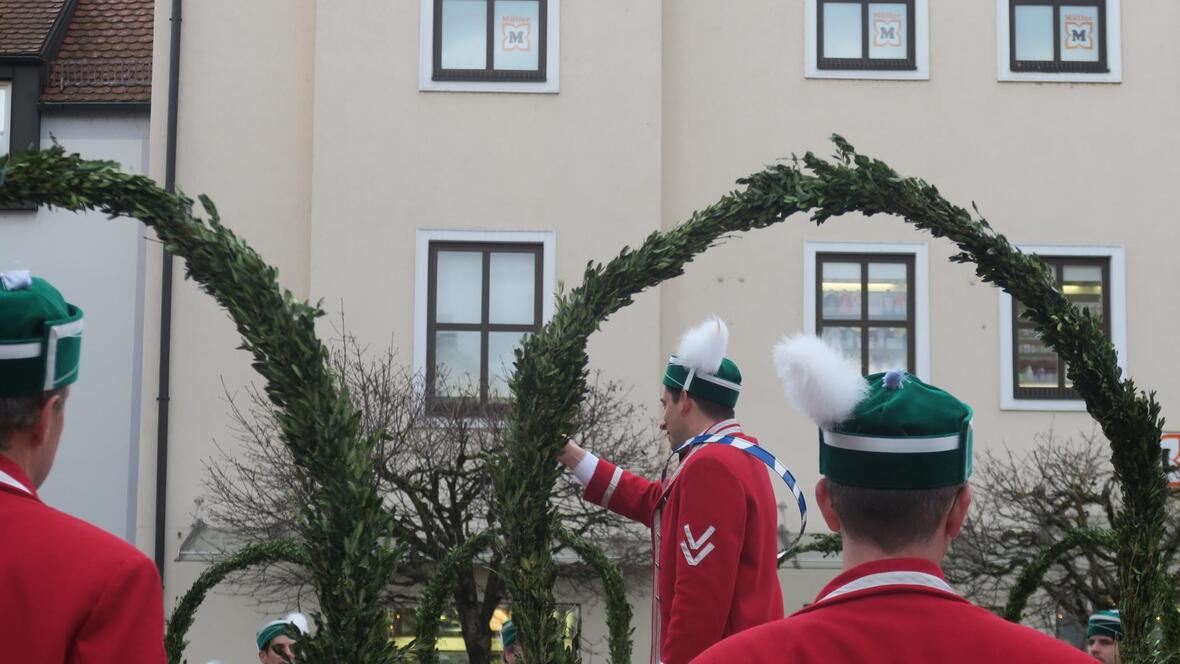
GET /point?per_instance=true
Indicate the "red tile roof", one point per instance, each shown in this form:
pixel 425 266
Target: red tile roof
pixel 24 25
pixel 106 55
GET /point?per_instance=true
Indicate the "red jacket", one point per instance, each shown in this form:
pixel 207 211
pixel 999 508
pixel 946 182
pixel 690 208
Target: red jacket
pixel 714 539
pixel 895 611
pixel 71 593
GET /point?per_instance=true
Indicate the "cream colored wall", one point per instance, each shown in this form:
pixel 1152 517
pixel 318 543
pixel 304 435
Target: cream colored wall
pixel 244 138
pixel 304 122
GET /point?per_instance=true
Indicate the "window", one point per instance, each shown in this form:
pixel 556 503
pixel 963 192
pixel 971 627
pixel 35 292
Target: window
pixel 863 39
pixel 492 45
pixel 863 307
pixel 1032 376
pixel 1037 371
pixel 1070 40
pixel 865 35
pixel 5 114
pixel 484 299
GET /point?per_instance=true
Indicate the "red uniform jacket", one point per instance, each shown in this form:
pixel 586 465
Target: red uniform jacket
pixel 892 611
pixel 71 593
pixel 714 539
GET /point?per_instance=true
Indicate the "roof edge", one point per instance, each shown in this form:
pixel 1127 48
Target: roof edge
pixel 57 33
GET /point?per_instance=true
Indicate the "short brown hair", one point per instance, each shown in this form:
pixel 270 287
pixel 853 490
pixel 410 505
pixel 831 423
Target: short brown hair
pixel 711 409
pixel 891 519
pixel 20 413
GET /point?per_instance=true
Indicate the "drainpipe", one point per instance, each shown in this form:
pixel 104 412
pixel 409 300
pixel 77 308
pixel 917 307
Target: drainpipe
pixel 164 398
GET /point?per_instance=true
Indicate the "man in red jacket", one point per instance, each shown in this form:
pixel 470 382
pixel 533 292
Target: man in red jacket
pixel 69 592
pixel 895 454
pixel 713 519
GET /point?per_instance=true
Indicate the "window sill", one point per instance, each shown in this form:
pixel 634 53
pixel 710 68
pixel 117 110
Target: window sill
pixel 1007 75
pixel 1045 405
pixel 526 87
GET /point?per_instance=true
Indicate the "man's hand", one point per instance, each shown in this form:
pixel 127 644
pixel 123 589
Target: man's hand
pixel 571 454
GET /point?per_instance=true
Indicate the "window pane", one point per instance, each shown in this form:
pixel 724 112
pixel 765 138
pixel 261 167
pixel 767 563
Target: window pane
pixel 1036 363
pixel 1079 34
pixel 464 34
pixel 500 361
pixel 1082 285
pixel 456 363
pixel 512 280
pixel 459 287
pixel 887 22
pixel 841 290
pixel 887 291
pixel 1034 32
pixel 842 25
pixel 844 339
pixel 888 349
pixel 518 29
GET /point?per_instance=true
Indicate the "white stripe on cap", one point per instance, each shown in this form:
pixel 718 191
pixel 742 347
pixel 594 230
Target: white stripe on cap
pixel 891 445
pixel 56 332
pixel 20 351
pixel 693 374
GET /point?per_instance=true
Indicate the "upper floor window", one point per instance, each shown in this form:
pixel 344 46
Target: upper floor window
pixel 484 298
pixel 1065 40
pixel 5 115
pixel 865 35
pixel 865 307
pixel 863 39
pixel 489 45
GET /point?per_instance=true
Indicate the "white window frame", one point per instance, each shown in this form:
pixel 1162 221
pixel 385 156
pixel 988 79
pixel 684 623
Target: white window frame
pixel 1114 52
pixel 5 116
pixel 921 49
pixel 551 84
pixel 921 288
pixel 423 238
pixel 1118 323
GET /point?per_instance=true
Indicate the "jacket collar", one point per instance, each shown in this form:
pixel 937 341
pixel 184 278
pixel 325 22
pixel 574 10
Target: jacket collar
pixel 911 573
pixel 14 480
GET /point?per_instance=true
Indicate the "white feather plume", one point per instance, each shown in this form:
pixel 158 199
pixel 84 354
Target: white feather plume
pixel 819 381
pixel 703 347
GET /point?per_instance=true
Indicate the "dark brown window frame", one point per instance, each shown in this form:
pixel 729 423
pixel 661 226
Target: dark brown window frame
pixel 484 327
pixel 863 322
pixel 1057 65
pixel 489 73
pixel 1061 392
pixel 866 63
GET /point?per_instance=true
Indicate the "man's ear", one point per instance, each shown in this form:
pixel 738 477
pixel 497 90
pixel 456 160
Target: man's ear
pixel 824 500
pixel 685 404
pixel 958 512
pixel 44 421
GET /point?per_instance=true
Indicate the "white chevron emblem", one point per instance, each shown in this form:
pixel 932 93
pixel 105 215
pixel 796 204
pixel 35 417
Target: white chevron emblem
pixel 693 545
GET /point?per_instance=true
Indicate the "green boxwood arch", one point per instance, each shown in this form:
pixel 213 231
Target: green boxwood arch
pixel 343 529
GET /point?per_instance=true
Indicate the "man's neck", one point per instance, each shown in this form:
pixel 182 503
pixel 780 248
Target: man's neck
pixel 22 457
pixel 857 552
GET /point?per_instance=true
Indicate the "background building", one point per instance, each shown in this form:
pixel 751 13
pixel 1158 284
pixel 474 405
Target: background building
pixel 387 156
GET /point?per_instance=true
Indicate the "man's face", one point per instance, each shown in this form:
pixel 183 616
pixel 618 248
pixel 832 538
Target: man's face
pixel 1103 648
pixel 672 420
pixel 278 651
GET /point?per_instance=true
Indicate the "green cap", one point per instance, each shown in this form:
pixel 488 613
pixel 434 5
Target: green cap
pixel 904 434
pixel 40 336
pixel 1105 623
pixel 507 633
pixel 722 387
pixel 293 625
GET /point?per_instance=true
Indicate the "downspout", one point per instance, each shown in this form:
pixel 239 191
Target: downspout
pixel 164 398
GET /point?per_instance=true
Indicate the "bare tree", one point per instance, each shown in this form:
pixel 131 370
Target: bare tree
pixel 1028 501
pixel 431 465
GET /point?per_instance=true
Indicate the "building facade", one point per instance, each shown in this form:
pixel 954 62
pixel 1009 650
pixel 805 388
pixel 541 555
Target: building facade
pixel 389 157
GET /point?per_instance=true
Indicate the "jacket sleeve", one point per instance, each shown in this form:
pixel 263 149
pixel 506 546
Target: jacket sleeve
pixel 710 527
pixel 623 492
pixel 127 622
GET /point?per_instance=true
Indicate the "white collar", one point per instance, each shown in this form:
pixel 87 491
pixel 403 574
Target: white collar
pixel 895 578
pixel 5 478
